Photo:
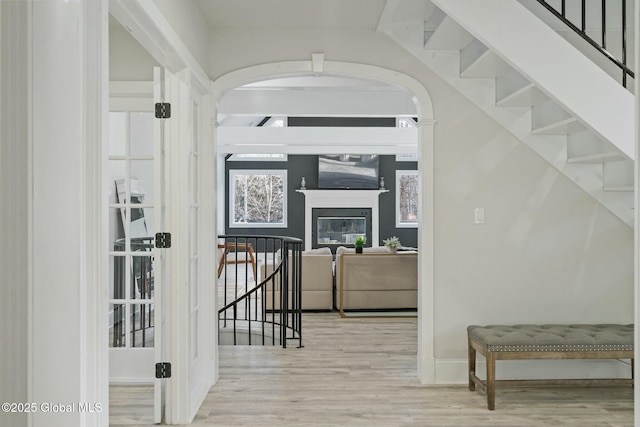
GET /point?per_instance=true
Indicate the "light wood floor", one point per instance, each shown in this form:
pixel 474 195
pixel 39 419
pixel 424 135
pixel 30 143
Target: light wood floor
pixel 362 372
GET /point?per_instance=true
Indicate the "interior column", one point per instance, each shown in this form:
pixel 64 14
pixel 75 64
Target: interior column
pixel 426 266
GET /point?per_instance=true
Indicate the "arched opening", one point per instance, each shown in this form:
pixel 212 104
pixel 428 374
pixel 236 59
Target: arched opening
pixel 424 141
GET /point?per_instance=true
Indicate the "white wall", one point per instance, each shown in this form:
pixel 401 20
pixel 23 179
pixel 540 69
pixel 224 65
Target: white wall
pixel 128 61
pixel 187 21
pixel 14 193
pixel 547 252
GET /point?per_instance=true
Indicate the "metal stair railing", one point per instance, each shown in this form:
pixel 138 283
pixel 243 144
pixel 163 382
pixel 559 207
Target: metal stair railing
pixel 600 45
pixel 261 310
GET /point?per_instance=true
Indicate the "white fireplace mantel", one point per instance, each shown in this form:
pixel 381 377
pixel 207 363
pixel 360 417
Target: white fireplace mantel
pixel 342 199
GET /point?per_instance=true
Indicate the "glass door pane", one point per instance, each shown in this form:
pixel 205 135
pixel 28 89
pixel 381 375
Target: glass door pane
pixel 131 201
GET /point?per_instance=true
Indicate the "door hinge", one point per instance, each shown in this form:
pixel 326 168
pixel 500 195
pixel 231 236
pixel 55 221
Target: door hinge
pixel 163 370
pixel 163 110
pixel 163 240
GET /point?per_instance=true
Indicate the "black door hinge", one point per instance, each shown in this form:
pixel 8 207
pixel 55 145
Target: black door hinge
pixel 163 370
pixel 163 110
pixel 163 240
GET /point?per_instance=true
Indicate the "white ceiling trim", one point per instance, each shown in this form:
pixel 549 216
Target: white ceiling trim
pixel 317 140
pixel 318 102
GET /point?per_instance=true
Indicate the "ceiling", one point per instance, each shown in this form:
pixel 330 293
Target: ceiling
pixel 293 14
pixel 249 104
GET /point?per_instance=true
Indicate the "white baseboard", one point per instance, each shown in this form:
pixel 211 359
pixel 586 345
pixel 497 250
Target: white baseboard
pixel 451 371
pixel 427 370
pixel 455 371
pixel 132 381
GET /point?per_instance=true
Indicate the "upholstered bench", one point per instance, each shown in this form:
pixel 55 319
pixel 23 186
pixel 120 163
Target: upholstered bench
pixel 519 342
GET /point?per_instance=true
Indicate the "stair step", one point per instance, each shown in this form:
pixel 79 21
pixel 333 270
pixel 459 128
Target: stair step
pixel 432 24
pixel 562 127
pixel 619 189
pixel 526 96
pixel 610 156
pixel 619 176
pixel 549 118
pixel 587 147
pixel 448 36
pixel 482 65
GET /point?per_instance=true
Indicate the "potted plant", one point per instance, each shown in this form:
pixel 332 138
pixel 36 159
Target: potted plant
pixel 393 243
pixel 359 242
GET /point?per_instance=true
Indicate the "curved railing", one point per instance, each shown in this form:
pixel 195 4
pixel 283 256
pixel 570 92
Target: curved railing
pixel 259 304
pixel 601 44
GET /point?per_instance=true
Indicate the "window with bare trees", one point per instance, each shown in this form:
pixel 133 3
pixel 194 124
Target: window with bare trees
pixel 257 198
pixel 407 182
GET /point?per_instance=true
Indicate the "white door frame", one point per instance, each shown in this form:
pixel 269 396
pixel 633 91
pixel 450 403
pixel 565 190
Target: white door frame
pixel 637 217
pixel 152 30
pixel 193 368
pixel 426 124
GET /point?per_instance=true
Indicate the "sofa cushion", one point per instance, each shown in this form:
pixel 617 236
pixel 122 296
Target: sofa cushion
pixel 377 280
pixel 382 272
pixel 373 250
pixel 319 251
pixel 317 280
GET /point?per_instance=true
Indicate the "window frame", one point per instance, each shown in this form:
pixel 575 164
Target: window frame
pixel 245 157
pixel 407 157
pixel 232 197
pixel 399 222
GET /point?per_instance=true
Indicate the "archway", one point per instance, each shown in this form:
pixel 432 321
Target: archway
pixel 316 66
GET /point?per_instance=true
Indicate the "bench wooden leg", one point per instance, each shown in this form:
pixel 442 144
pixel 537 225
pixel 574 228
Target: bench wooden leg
pixel 472 366
pixel 491 380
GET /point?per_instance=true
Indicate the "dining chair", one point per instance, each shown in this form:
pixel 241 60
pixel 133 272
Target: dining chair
pixel 236 253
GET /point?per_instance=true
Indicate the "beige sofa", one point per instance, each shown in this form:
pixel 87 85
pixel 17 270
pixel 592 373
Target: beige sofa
pixel 376 279
pixel 317 281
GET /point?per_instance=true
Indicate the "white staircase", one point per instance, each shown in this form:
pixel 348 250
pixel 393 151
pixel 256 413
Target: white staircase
pixel 542 89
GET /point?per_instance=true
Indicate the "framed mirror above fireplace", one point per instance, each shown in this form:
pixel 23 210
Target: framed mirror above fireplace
pixel 333 227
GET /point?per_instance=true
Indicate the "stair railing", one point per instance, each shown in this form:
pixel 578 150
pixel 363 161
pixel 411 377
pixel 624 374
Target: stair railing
pixel 600 45
pixel 258 299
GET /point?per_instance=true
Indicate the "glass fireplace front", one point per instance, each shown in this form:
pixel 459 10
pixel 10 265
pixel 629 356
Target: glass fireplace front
pixel 333 227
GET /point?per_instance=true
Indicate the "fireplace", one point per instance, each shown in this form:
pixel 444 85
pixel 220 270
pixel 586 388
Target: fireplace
pixel 357 200
pixel 333 227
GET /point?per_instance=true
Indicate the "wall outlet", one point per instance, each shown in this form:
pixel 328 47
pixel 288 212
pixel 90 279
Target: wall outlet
pixel 479 216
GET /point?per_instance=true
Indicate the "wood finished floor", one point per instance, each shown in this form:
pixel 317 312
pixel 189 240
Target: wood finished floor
pixel 362 372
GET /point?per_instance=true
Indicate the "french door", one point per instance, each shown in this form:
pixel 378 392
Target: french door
pixel 132 191
pixel 162 326
pixel 136 189
pixel 185 306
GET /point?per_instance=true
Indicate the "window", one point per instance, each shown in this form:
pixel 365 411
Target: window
pixel 407 198
pixel 257 198
pixel 409 157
